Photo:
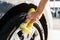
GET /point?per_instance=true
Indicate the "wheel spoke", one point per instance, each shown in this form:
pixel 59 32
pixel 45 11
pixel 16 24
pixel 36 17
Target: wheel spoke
pixel 19 35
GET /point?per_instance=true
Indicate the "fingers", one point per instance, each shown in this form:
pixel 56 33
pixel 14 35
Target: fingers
pixel 34 20
pixel 33 17
pixel 29 16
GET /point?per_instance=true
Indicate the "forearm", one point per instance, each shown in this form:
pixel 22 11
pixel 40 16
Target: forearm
pixel 41 6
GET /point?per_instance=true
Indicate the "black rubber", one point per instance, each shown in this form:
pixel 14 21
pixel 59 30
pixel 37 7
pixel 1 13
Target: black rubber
pixel 44 25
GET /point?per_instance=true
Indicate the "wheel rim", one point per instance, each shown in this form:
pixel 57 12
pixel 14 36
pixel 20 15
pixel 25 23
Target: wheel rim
pixel 19 35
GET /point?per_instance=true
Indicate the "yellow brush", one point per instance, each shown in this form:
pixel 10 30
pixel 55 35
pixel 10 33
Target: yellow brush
pixel 26 26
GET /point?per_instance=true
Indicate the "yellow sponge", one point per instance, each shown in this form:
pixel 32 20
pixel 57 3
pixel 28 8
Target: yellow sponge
pixel 26 26
pixel 31 10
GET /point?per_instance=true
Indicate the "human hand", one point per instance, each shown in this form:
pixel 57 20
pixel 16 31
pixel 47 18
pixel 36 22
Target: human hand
pixel 34 16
